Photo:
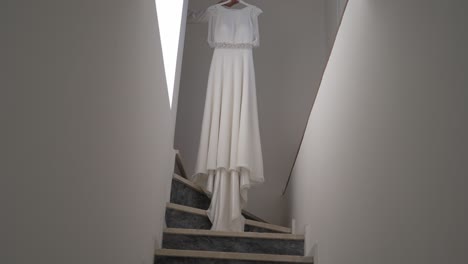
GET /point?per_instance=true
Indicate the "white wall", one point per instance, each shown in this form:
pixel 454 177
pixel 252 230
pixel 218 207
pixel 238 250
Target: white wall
pixel 333 13
pixel 86 136
pixel 288 64
pixel 382 173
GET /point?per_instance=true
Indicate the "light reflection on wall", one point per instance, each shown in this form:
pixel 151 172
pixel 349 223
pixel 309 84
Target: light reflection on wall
pixel 169 20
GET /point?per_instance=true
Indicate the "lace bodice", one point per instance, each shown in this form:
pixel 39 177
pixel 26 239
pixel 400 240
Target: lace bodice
pixel 229 28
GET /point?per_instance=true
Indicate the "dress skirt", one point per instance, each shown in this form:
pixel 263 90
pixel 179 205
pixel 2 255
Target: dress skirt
pixel 229 156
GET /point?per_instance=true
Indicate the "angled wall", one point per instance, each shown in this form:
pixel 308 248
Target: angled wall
pixel 333 13
pixel 382 173
pixel 86 141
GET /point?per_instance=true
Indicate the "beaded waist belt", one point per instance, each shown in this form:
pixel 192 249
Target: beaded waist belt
pixel 233 45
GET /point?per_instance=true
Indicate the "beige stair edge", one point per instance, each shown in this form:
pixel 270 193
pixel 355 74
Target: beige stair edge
pixel 197 188
pixel 201 232
pixel 201 212
pixel 187 182
pixel 232 256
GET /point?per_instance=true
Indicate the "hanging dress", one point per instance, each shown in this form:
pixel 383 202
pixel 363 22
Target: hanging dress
pixel 229 158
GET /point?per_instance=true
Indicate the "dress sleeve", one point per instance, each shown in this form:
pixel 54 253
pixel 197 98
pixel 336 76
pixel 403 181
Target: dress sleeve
pixel 211 27
pixel 255 13
pixel 198 16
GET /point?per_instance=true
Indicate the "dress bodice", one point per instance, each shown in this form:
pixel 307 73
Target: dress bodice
pixel 230 28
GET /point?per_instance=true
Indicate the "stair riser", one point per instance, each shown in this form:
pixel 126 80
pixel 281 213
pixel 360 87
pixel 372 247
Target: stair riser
pixel 176 260
pixel 234 244
pixel 180 219
pixel 185 195
pixel 256 229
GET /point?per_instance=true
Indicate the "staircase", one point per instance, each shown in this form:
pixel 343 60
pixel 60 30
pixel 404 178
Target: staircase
pixel 189 240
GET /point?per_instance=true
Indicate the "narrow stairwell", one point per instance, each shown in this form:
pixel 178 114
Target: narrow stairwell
pixel 189 240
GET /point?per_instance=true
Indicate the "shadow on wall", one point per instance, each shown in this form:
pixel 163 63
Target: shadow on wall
pixel 87 156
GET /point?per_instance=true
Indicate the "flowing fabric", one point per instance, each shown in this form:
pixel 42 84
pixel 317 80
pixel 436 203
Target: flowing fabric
pixel 229 157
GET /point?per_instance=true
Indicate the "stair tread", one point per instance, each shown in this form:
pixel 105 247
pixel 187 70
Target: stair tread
pixel 201 232
pixel 232 256
pixel 201 212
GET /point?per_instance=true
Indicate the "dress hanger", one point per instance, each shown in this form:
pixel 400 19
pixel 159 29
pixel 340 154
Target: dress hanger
pixel 234 2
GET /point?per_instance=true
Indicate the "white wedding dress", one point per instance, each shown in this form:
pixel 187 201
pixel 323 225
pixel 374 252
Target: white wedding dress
pixel 230 155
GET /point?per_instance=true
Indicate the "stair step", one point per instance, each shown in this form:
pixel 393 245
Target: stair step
pixel 185 192
pixel 241 242
pixel 172 256
pixel 180 216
